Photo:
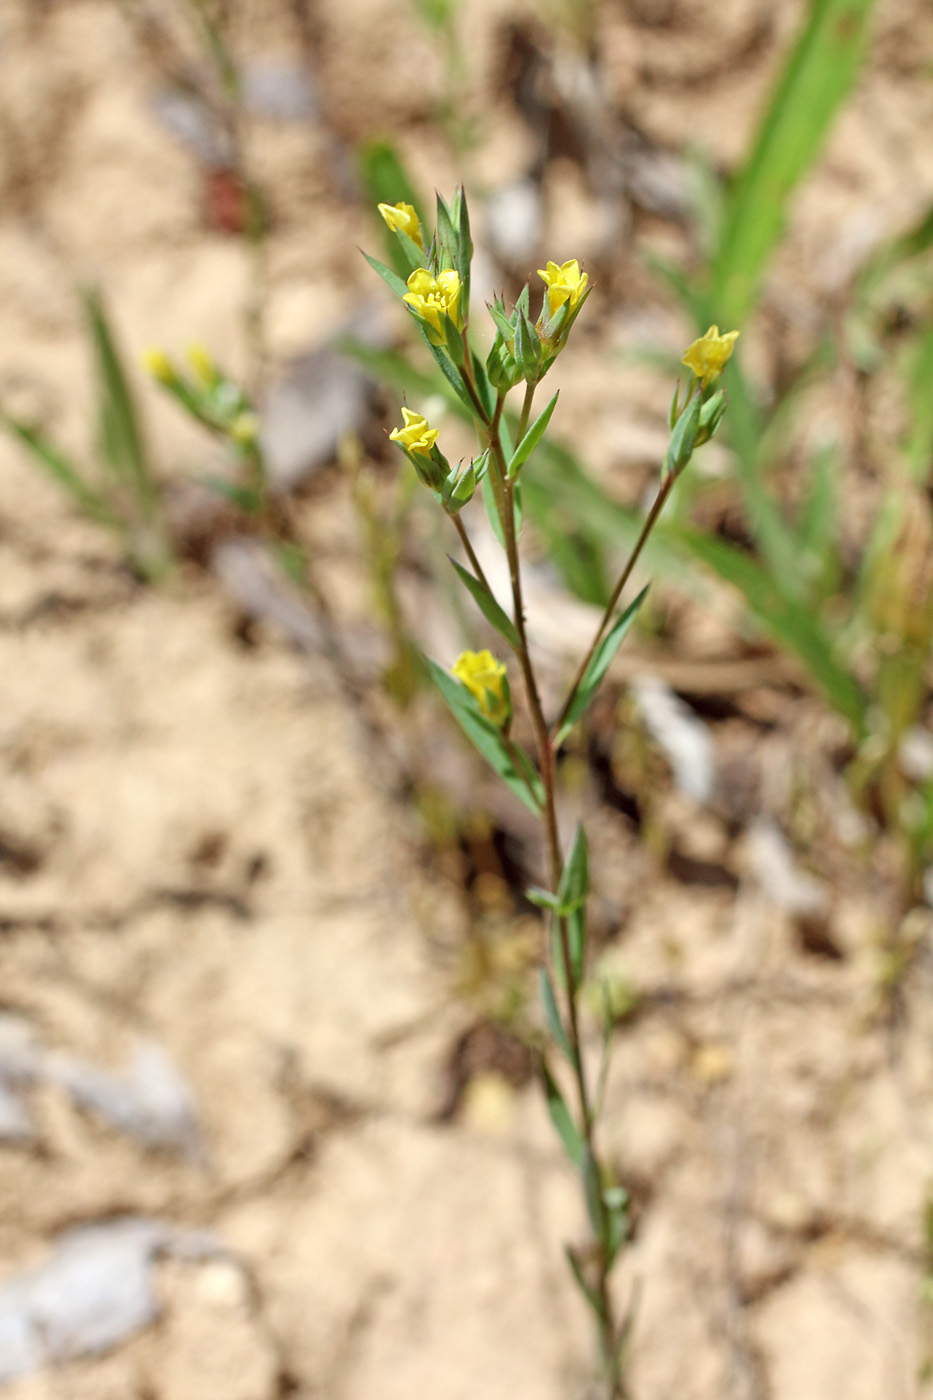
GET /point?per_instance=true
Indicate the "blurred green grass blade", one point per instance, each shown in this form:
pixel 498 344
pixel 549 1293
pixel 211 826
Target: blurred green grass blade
pixel 791 623
pixel 61 471
pixel 387 181
pixel 919 445
pixel 892 255
pixel 120 432
pixel 813 84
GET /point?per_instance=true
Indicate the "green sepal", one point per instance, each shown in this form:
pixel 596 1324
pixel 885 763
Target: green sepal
pixel 531 439
pixel 567 1130
pixel 455 344
pixel 494 614
pixel 599 665
pixel 464 251
pixel 488 739
pixel 683 439
pixel 447 252
pixel 527 347
pixel 503 324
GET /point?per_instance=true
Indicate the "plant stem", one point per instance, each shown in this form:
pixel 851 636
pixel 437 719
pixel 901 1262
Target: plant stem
pixel 469 550
pixel 664 490
pixel 505 498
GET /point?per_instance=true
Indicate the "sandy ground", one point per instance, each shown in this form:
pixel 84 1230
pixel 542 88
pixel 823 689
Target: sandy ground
pixel 201 849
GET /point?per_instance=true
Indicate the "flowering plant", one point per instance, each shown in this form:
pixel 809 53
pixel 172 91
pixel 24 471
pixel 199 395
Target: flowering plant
pixel 476 687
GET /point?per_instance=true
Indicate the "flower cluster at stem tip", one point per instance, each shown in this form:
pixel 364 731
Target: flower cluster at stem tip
pixel 708 356
pixel 485 679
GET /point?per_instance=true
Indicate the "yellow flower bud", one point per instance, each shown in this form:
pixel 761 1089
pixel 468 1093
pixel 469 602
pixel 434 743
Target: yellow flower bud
pixel 433 297
pixel 403 217
pixel 485 678
pixel 417 435
pixel 158 364
pixel 708 356
pixel 564 283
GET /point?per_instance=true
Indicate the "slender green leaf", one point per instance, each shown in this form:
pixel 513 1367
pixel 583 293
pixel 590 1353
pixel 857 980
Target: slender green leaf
pixel 63 472
pixel 390 278
pixel 121 435
pixel 464 252
pixel 495 615
pixel 552 1015
pixel 812 86
pixel 561 1117
pixel 575 881
pixel 488 739
pixel 445 366
pixel 531 439
pixel 599 665
pixel 593 1191
pixel 589 1293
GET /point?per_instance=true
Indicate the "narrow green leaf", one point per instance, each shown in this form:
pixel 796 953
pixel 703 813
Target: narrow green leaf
pixel 487 738
pixel 464 252
pixel 503 324
pixel 121 434
pixel 813 84
pixel 575 881
pixel 63 472
pixel 576 1268
pixel 531 439
pixel 561 1118
pixel 576 938
pixel 390 278
pixel 555 1024
pixel 545 899
pixel 593 1191
pixel 446 236
pixel 491 610
pixel 599 665
pixel 445 366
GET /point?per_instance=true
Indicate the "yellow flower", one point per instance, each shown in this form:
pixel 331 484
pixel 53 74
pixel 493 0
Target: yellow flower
pixel 484 677
pixel 403 216
pixel 564 283
pixel 708 356
pixel 433 297
pixel 417 435
pixel 158 364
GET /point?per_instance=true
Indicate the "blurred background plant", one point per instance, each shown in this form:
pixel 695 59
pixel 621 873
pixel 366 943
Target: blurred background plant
pixel 119 488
